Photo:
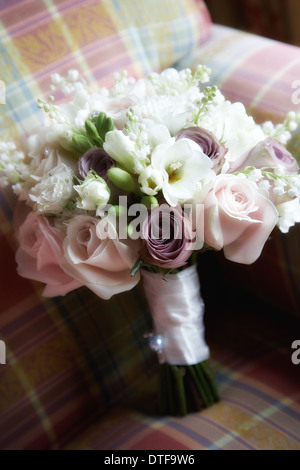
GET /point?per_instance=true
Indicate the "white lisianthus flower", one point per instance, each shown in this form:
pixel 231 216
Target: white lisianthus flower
pixel 54 191
pixel 93 193
pixel 289 214
pixel 182 165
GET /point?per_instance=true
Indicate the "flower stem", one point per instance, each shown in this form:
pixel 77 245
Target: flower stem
pixel 179 373
pixel 185 389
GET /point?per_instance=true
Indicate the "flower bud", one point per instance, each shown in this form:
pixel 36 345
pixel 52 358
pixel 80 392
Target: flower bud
pixel 122 179
pixel 93 133
pixel 81 143
pixel 149 201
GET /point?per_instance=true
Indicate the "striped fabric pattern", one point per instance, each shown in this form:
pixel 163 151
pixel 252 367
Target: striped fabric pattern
pixel 96 37
pixel 259 388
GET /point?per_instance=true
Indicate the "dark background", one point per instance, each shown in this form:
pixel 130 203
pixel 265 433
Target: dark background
pixel 276 19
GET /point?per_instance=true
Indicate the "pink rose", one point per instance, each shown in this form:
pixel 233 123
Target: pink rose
pixel 103 264
pixel 237 218
pixel 40 254
pixel 268 154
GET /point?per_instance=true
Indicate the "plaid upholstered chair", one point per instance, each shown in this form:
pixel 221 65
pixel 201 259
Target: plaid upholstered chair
pixel 78 372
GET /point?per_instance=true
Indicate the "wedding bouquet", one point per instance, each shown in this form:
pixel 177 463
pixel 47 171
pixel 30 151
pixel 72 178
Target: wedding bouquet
pixel 137 180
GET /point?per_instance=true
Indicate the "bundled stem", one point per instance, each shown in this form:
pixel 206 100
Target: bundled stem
pixel 186 389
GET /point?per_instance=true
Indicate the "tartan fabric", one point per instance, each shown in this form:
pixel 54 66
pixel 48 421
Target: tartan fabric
pixel 257 71
pixel 259 387
pixel 96 37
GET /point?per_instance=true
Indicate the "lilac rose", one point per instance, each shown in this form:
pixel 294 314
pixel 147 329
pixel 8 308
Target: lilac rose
pixel 95 159
pixel 268 154
pixel 168 235
pixel 208 143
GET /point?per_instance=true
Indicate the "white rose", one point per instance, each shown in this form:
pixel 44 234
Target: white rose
pixel 54 191
pixel 93 193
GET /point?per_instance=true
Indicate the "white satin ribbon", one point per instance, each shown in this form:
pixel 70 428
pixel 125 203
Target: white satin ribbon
pixel 177 310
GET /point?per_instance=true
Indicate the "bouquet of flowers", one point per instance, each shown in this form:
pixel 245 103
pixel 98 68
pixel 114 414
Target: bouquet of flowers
pixel 137 180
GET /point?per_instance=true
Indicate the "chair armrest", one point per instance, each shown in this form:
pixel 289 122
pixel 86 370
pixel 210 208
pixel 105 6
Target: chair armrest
pixel 257 71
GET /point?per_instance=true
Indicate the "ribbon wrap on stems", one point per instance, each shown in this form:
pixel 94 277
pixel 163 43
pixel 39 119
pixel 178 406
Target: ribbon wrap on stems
pixel 177 310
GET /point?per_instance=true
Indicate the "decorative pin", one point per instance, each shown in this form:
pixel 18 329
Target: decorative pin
pixel 156 342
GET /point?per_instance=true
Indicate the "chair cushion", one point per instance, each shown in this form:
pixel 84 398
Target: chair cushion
pixel 257 71
pixel 259 388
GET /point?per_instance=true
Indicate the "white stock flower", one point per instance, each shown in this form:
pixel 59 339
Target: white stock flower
pixel 174 112
pixel 289 214
pixel 182 165
pixel 54 191
pixel 93 193
pixel 232 126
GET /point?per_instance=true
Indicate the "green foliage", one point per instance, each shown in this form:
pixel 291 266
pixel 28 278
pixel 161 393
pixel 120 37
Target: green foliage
pixel 92 135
